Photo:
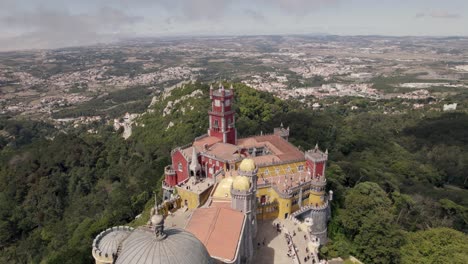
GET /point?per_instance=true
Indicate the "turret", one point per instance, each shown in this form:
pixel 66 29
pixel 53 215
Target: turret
pixel 318 199
pixel 282 132
pixel 195 166
pixel 221 116
pixel 244 198
pixel 315 162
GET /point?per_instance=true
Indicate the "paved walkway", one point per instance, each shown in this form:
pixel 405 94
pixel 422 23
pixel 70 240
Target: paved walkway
pixel 178 219
pixel 275 249
pixel 301 240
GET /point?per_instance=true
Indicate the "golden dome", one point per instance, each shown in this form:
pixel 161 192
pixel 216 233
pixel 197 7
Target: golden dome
pixel 223 190
pixel 247 165
pixel 241 183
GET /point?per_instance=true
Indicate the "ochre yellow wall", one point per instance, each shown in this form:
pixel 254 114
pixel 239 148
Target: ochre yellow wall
pixel 191 197
pixel 285 205
pixel 165 206
pixel 314 198
pixel 205 195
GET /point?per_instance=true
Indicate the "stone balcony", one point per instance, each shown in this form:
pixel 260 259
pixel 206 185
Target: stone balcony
pixel 168 170
pixel 321 182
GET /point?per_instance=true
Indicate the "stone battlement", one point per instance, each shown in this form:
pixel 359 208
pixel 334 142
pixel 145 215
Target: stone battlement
pixel 98 253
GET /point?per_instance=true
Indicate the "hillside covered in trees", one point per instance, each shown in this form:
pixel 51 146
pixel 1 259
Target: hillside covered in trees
pixel 399 180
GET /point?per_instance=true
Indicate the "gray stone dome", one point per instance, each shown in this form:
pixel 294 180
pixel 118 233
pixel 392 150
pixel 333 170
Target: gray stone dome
pixel 177 247
pixel 106 244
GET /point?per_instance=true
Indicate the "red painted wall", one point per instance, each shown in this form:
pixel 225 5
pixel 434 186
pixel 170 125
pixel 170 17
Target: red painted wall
pixel 171 180
pixel 310 166
pixel 205 162
pixel 216 118
pixel 318 168
pixel 181 175
pixel 231 136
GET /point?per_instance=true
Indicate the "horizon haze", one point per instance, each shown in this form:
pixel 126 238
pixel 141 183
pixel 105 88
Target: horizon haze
pixel 45 24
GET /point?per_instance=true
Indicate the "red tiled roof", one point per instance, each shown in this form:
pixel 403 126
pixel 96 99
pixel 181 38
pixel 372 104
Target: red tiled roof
pixel 282 149
pixel 219 229
pixel 209 141
pixel 220 203
pixel 223 151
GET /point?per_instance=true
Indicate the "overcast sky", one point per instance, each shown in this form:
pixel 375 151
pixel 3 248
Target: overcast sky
pixel 28 24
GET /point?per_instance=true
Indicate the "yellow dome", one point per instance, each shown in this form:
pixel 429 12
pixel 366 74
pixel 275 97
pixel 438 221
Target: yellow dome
pixel 223 190
pixel 247 165
pixel 241 183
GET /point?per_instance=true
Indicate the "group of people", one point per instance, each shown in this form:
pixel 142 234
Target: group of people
pixel 278 227
pixel 291 246
pixel 292 249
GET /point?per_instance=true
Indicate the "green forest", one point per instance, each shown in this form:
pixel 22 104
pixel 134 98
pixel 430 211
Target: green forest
pixel 400 180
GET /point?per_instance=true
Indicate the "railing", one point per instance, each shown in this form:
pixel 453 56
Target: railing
pixel 311 207
pixel 263 185
pixel 266 204
pixel 320 183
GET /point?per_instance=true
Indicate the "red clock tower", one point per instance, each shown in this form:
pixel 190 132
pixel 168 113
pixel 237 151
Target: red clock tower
pixel 221 115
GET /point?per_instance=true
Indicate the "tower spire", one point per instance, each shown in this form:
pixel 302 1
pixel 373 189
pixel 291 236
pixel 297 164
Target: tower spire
pixel 157 221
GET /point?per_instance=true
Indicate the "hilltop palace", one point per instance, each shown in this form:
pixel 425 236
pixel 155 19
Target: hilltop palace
pixel 228 184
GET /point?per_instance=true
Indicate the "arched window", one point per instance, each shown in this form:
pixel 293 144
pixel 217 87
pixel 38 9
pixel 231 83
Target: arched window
pixel 179 166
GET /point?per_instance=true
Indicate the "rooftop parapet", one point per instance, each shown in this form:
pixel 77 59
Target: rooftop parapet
pixel 247 173
pixel 321 181
pixel 316 155
pixel 281 131
pixel 105 247
pixel 311 207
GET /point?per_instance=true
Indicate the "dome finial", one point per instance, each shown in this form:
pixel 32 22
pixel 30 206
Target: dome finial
pixel 157 221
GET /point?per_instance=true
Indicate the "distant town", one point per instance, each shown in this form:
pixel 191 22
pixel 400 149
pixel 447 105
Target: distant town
pixel 63 85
